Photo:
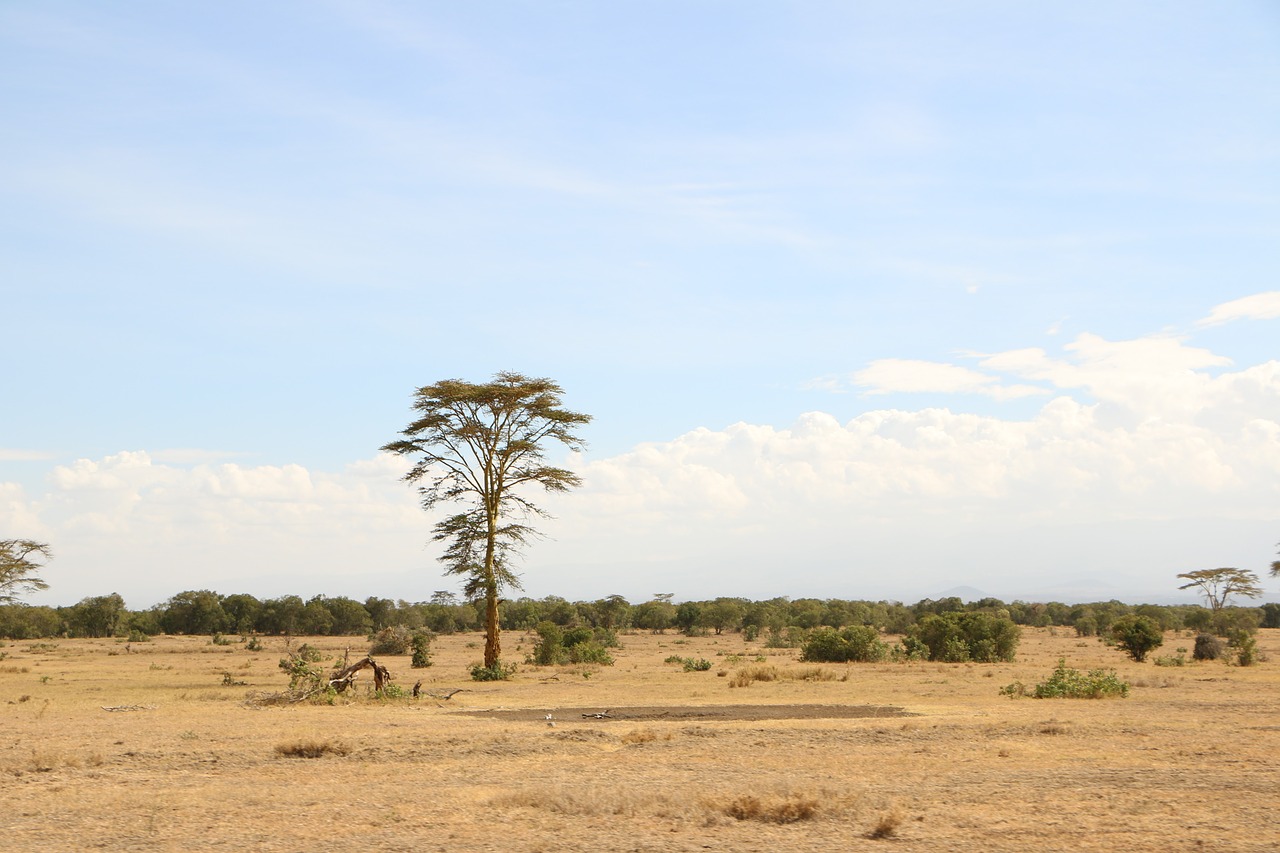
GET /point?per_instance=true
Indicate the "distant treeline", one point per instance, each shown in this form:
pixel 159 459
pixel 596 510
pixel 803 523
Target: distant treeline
pixel 207 612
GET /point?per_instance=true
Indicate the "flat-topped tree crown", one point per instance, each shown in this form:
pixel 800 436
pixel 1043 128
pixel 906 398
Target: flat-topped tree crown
pixel 477 444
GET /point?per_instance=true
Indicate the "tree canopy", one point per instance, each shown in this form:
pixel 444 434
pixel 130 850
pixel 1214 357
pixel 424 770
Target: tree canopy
pixel 20 563
pixel 1218 585
pixel 476 445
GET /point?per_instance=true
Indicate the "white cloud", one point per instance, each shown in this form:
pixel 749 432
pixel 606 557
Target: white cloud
pixel 912 376
pixel 1259 306
pixel 1143 477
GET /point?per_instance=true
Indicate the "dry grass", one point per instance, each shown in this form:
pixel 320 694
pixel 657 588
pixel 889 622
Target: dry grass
pixel 747 676
pixel 1187 761
pixel 788 808
pixel 311 748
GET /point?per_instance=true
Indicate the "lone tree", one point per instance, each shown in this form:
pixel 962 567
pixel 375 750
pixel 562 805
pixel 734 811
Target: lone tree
pixel 1137 635
pixel 475 445
pixel 1218 585
pixel 20 561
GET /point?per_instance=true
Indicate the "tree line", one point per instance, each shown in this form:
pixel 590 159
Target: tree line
pixel 207 612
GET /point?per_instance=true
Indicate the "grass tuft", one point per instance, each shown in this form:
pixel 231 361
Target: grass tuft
pixel 785 808
pixel 311 748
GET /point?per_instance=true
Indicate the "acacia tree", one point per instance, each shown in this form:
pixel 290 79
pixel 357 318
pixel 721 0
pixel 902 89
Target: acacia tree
pixel 1218 585
pixel 476 445
pixel 20 562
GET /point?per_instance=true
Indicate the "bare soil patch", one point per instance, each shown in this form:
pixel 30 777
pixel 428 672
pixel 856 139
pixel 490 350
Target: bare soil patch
pixel 698 713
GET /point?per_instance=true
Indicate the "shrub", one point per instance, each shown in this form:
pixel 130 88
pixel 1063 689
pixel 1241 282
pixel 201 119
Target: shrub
pixel 1137 635
pixel 855 643
pixel 576 645
pixel 1208 647
pixel 1066 683
pixel 254 645
pixel 395 640
pixel 956 637
pixel 136 636
pixel 1246 649
pixel 789 638
pixel 421 643
pixel 498 672
pixel 1180 660
pixel 590 652
pixel 700 665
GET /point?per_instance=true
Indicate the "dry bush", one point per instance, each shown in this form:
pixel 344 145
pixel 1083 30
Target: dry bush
pixel 643 736
pixel 748 675
pixel 745 677
pixel 785 808
pixel 887 825
pixel 311 748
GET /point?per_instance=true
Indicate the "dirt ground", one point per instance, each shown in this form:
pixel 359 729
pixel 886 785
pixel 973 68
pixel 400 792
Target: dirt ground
pixel 900 757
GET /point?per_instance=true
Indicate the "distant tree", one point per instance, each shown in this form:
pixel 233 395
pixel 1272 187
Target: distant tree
pixel 656 616
pixel 350 618
pixel 194 612
pixel 99 616
pixel 613 611
pixel 1275 569
pixel 723 614
pixel 382 611
pixel 688 617
pixel 1137 635
pixel 477 444
pixel 282 615
pixel 242 612
pixel 21 561
pixel 316 618
pixel 1218 585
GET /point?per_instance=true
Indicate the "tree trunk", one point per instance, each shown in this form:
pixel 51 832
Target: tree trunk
pixel 492 645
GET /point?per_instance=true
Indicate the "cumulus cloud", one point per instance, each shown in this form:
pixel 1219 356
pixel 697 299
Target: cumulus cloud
pixel 1152 456
pixel 1259 306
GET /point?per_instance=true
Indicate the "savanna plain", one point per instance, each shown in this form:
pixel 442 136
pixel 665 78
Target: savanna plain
pixel 157 746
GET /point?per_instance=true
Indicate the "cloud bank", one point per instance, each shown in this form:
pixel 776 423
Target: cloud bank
pixel 1150 456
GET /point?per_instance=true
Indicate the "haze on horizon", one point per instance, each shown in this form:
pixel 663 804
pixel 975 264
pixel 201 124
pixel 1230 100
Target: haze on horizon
pixel 866 300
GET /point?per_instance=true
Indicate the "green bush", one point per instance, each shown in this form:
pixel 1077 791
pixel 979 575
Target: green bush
pixel 1137 635
pixel 558 646
pixel 956 637
pixel 498 672
pixel 855 643
pixel 590 652
pixel 1246 649
pixel 421 644
pixel 1066 683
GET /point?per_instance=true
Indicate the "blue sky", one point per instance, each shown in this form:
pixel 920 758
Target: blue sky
pixel 234 237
